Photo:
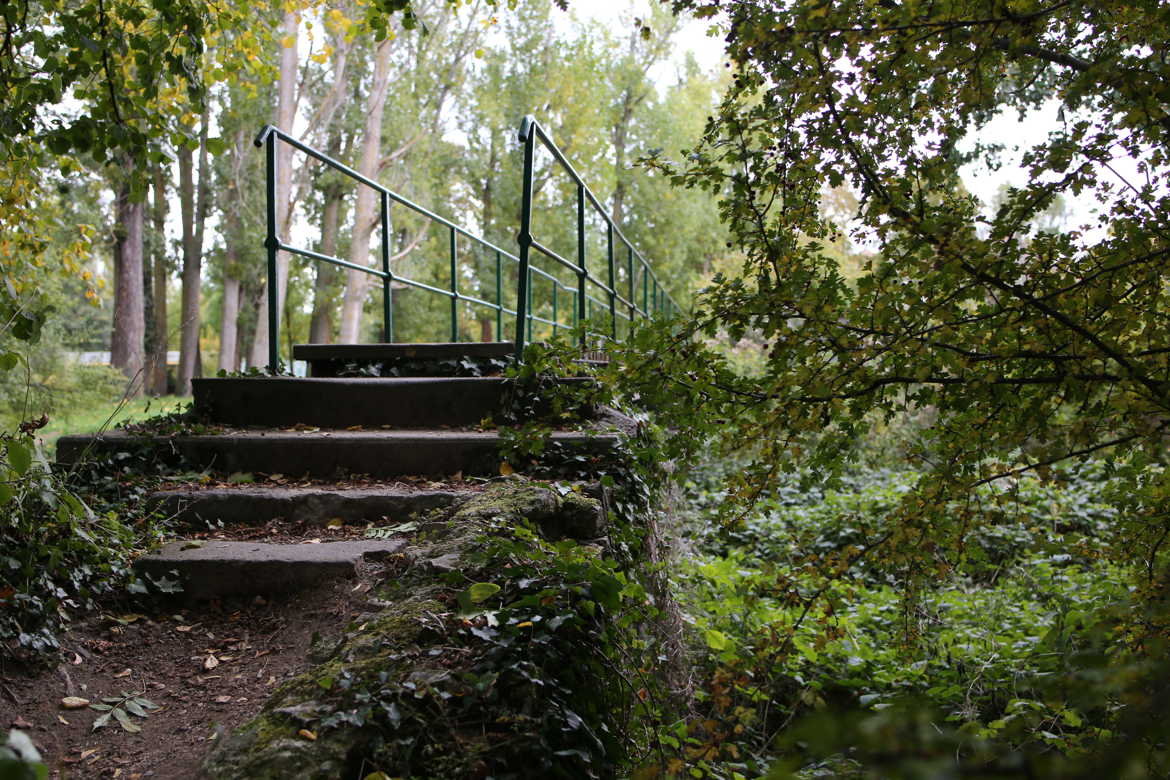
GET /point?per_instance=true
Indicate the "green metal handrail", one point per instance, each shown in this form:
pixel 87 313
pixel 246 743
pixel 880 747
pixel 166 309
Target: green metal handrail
pixel 579 298
pixel 655 298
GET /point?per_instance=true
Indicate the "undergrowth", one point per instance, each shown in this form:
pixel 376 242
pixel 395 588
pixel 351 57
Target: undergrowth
pixel 819 662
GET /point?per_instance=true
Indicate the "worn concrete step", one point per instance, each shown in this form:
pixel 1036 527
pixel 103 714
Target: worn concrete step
pixel 345 402
pixel 208 569
pixel 325 454
pixel 435 359
pixel 255 505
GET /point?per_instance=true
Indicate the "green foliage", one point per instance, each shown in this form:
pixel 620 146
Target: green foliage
pixel 1000 347
pixel 19 758
pixel 120 708
pixel 1027 346
pixel 56 554
pixel 1017 656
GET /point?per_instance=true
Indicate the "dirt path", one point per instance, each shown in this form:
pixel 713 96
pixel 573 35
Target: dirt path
pixel 208 668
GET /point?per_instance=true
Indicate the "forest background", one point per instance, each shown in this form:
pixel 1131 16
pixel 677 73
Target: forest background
pixel 136 208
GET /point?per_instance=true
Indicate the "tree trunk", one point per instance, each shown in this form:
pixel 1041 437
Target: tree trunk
pixel 363 224
pixel 321 325
pixel 487 318
pixel 126 342
pixel 285 113
pixel 620 137
pixel 229 347
pixel 193 207
pixel 156 360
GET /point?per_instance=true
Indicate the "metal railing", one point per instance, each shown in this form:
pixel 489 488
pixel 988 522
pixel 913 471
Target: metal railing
pixel 654 297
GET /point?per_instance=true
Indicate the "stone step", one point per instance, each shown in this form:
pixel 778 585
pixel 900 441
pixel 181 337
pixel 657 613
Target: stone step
pixel 466 359
pixel 210 569
pixel 324 454
pixel 256 505
pixel 345 402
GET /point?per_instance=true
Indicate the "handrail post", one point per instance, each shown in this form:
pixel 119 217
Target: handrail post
pixel 633 288
pixel 272 243
pixel 499 300
pixel 612 278
pixel 583 272
pixel 387 277
pixel 645 290
pixel 528 138
pixel 454 288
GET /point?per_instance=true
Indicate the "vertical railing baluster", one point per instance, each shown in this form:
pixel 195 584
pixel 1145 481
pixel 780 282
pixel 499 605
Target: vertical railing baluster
pixel 583 271
pixel 499 300
pixel 529 304
pixel 612 283
pixel 528 138
pixel 555 287
pixel 633 297
pixel 454 288
pixel 645 289
pixel 387 277
pixel 272 243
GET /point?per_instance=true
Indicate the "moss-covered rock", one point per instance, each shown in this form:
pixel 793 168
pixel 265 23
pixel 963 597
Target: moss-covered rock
pixel 496 664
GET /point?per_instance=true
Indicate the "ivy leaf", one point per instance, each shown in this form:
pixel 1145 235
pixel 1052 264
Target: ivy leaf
pixel 125 722
pixel 20 457
pixel 476 594
pixel 716 640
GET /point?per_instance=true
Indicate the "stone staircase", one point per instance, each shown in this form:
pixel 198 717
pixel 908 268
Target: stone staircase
pixel 381 411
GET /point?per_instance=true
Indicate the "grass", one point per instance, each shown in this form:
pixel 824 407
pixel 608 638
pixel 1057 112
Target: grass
pixel 100 416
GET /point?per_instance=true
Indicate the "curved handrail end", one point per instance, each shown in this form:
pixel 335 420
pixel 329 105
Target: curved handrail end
pixel 262 136
pixel 526 127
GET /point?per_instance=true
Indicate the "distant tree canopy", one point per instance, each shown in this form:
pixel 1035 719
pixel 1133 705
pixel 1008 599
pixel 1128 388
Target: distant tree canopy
pixel 1020 347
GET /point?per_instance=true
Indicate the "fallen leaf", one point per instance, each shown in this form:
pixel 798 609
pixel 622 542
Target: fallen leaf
pixel 210 662
pixel 222 699
pixel 308 735
pixel 21 723
pixel 87 753
pixel 184 629
pixel 76 659
pixel 74 702
pixel 336 522
pixel 506 469
pixel 62 719
pixel 123 673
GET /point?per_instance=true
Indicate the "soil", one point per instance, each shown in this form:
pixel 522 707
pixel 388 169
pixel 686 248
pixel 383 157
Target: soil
pixel 209 668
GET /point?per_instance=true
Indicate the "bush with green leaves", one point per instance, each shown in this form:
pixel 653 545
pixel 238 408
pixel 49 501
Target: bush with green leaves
pixel 57 555
pixel 1018 653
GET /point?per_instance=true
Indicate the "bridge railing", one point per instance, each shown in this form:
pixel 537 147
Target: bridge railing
pixel 621 305
pixel 654 297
